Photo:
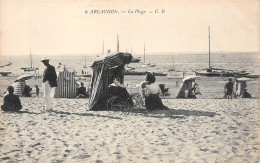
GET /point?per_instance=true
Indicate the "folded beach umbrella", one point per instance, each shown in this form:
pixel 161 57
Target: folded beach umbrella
pixel 23 77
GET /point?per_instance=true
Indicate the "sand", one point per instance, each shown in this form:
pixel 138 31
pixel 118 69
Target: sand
pixel 193 130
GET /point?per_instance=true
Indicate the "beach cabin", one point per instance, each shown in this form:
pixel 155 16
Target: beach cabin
pixel 104 72
pixel 67 85
pixel 186 90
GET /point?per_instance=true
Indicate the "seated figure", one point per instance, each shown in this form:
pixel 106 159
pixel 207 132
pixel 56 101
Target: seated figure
pixel 11 101
pixel 27 91
pixel 118 89
pixel 81 91
pixel 151 92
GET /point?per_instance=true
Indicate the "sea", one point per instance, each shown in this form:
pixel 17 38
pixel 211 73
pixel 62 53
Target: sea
pixel 186 63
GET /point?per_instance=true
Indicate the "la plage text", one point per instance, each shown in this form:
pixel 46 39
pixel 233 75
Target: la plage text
pixel 129 11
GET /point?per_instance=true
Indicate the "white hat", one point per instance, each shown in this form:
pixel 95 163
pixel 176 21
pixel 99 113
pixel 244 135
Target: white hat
pixel 45 59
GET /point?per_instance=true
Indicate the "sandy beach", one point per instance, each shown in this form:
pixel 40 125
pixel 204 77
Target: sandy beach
pixel 200 130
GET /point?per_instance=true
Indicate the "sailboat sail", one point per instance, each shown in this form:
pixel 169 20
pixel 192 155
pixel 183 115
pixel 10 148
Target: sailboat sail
pixel 31 68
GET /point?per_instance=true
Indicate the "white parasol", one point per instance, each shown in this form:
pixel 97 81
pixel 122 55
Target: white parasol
pixel 190 77
pixel 23 77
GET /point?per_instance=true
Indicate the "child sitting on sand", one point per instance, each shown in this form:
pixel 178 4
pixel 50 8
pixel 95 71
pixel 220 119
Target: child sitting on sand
pixel 11 101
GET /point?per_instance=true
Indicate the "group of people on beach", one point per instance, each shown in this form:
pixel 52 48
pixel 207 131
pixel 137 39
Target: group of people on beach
pixel 229 90
pixel 149 91
pixel 13 103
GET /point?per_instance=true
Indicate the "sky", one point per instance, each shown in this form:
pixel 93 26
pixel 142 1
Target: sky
pixel 63 27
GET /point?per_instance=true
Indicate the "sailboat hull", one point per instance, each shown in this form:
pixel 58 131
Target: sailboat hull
pixel 218 74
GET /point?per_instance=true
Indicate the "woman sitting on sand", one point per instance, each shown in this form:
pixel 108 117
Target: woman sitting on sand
pixel 150 92
pixel 11 101
pixel 118 89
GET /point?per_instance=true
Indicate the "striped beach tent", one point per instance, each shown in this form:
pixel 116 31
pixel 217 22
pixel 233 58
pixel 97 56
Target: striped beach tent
pixel 104 71
pixel 18 87
pixel 67 85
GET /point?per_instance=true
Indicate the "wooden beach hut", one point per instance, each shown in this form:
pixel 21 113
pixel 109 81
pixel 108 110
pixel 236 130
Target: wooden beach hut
pixel 104 72
pixel 67 85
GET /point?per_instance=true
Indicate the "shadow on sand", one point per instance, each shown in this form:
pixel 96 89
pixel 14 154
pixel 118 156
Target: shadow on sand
pixel 86 114
pixel 172 113
pixel 21 112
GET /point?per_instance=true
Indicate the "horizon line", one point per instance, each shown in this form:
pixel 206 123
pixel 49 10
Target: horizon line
pixel 151 53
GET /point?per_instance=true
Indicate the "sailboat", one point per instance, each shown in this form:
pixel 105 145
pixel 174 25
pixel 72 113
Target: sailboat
pixel 147 64
pixel 173 73
pixel 85 66
pixel 9 63
pixel 172 68
pixel 211 71
pixel 30 68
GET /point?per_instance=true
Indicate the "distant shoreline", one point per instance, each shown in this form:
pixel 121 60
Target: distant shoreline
pixel 136 54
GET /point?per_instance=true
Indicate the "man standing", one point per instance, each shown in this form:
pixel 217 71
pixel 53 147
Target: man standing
pixel 49 83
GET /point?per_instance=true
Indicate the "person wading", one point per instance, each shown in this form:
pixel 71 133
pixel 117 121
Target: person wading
pixel 49 83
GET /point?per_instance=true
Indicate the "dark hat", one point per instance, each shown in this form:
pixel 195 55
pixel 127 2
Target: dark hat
pixel 230 79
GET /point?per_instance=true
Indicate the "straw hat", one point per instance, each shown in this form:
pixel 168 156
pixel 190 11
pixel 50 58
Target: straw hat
pixel 45 59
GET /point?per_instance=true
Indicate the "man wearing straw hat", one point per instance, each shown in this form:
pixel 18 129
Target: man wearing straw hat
pixel 49 83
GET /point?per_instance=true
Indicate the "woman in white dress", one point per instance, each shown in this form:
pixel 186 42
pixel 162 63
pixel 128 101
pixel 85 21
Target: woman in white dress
pixel 150 92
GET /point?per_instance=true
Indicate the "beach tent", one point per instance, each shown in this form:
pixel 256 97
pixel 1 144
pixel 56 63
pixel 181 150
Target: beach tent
pixel 19 84
pixel 19 87
pixel 240 88
pixel 104 72
pixel 186 85
pixel 67 86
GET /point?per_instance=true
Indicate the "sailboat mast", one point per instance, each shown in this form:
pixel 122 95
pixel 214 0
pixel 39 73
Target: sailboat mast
pixel 117 43
pixel 144 52
pixel 172 62
pixel 103 47
pixel 31 58
pixel 209 47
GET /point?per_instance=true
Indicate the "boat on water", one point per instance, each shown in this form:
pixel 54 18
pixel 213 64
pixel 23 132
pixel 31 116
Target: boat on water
pixel 5 73
pixel 9 63
pixel 30 68
pixel 136 60
pixel 175 74
pixel 147 64
pixel 132 72
pixel 172 68
pixel 85 65
pixel 216 72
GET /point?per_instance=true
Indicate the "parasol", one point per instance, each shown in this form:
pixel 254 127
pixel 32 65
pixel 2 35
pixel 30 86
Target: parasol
pixel 23 77
pixel 191 77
